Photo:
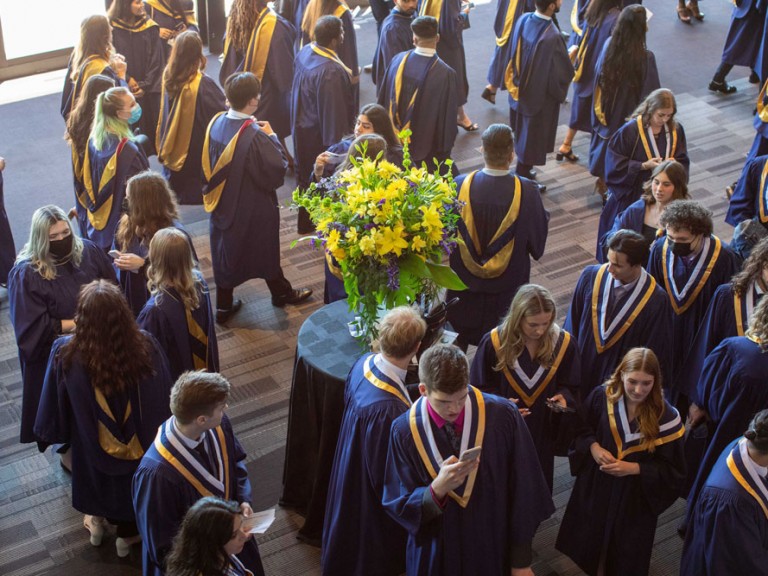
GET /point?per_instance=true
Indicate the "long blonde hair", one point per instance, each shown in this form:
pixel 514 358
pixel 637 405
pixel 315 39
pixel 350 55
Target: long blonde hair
pixel 172 266
pixel 651 410
pixel 95 39
pixel 530 300
pixel 37 250
pixel 315 10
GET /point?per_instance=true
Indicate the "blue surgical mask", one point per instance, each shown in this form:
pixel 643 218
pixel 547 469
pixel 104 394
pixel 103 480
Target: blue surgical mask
pixel 135 114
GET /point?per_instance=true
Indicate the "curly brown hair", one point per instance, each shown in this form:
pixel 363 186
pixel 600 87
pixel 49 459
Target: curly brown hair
pixel 758 324
pixel 185 62
pixel 151 207
pixel 752 269
pixel 241 21
pixel 107 342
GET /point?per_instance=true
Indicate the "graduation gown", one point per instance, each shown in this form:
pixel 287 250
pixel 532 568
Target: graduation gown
pixel 322 106
pixel 243 168
pixel 108 434
pixel 36 307
pixel 628 148
pixel 451 23
pixel 358 535
pixel 180 135
pixel 188 338
pixel 641 318
pixel 418 91
pixel 727 531
pixel 537 77
pixel 760 122
pixel 732 389
pixel 105 175
pixel 133 283
pixel 632 218
pixel 142 47
pixel 531 384
pixel 728 315
pixel 507 13
pixel 396 36
pixel 500 505
pixel 621 511
pixel 503 225
pixel 745 33
pixel 608 118
pixel 91 66
pixel 7 247
pixel 689 290
pixel 269 57
pixel 590 44
pixel 161 12
pixel 171 477
pixel 750 197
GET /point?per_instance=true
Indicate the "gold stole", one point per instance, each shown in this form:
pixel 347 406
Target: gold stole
pixel 575 19
pixel 100 216
pixel 509 21
pixel 331 55
pixel 111 445
pixel 90 67
pixel 174 133
pixel 144 24
pixel 394 103
pixel 580 54
pixel 668 281
pixel 432 8
pixel 597 104
pixel 524 396
pixel 196 333
pixel 433 467
pixel 382 384
pixel 212 197
pixel 762 109
pixel 596 290
pixel 509 74
pixel 260 42
pixel 646 146
pixel 763 194
pixel 77 169
pixel 621 450
pixel 496 264
pixel 161 6
pixel 739 477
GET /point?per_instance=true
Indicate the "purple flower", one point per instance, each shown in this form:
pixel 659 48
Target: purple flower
pixel 369 226
pixel 393 273
pixel 382 202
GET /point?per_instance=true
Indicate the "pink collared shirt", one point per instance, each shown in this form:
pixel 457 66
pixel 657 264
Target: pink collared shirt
pixel 458 424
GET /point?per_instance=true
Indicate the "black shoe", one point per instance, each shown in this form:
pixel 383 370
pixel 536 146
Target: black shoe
pixel 542 189
pixel 223 315
pixel 754 78
pixel 293 297
pixel 532 174
pixel 722 87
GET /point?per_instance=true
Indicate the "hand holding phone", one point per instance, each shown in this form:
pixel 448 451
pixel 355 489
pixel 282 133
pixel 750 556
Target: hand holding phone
pixel 470 454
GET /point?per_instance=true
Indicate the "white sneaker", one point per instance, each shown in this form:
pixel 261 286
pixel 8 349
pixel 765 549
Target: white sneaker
pixel 123 545
pixel 94 525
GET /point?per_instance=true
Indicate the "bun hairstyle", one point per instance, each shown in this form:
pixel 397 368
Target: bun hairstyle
pixel 757 434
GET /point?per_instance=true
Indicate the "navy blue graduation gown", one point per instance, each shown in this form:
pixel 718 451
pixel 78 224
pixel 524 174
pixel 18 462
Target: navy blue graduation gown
pixel 322 108
pixel 586 62
pixel 396 36
pixel 727 531
pixel 145 60
pixel 451 24
pixel 601 353
pixel 37 306
pixel 727 316
pixel 761 60
pixel 247 212
pixel 697 284
pixel 624 173
pixel 507 14
pixel 745 33
pixel 72 90
pixel 632 218
pixel 616 516
pixel 187 182
pixel 432 119
pixel 507 500
pixel 531 384
pixel 543 79
pixel 165 18
pixel 358 535
pixel 162 494
pixel 622 105
pixel 104 205
pixel 732 389
pixel 750 194
pixel 165 317
pixel 275 99
pixel 7 247
pixel 102 464
pixel 487 299
pixel 760 121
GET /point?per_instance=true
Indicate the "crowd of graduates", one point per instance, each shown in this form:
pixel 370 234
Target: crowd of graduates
pixel 656 386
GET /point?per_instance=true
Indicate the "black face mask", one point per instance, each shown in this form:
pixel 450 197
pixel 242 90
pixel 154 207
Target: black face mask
pixel 61 249
pixel 681 249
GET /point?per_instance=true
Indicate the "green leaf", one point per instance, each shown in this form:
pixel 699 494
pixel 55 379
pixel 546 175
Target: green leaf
pixel 414 265
pixel 445 277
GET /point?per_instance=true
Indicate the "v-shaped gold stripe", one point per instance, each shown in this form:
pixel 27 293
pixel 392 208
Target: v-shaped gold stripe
pixel 381 384
pixel 699 287
pixel 111 445
pixel 197 333
pixel 620 451
pixel 744 484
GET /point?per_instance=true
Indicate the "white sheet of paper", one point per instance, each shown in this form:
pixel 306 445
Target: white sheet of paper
pixel 259 522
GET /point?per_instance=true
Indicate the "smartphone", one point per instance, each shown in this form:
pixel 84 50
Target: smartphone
pixel 470 454
pixel 114 253
pixel 333 159
pixel 557 407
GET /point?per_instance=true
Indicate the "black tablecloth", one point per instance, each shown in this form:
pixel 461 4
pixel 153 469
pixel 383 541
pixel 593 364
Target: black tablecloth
pixel 325 353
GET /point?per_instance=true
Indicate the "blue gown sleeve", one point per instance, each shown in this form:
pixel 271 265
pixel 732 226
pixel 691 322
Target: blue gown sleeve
pixel 742 204
pixel 35 328
pixel 712 391
pixel 573 319
pixel 52 424
pixel 538 217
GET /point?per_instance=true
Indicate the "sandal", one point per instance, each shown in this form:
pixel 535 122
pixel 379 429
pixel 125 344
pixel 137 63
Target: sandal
pixel 693 9
pixel 684 15
pixel 489 95
pixel 471 127
pixel 569 155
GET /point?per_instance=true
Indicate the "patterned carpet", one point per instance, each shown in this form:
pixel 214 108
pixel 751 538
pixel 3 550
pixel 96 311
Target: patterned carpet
pixel 39 531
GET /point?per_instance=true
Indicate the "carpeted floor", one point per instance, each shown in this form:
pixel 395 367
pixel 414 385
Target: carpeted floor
pixel 39 531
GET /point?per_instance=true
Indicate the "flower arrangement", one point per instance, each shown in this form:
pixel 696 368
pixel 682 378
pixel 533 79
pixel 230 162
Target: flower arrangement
pixel 388 230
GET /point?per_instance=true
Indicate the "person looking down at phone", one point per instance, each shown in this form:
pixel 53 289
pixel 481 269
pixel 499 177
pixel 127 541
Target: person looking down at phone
pixel 463 515
pixel 533 362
